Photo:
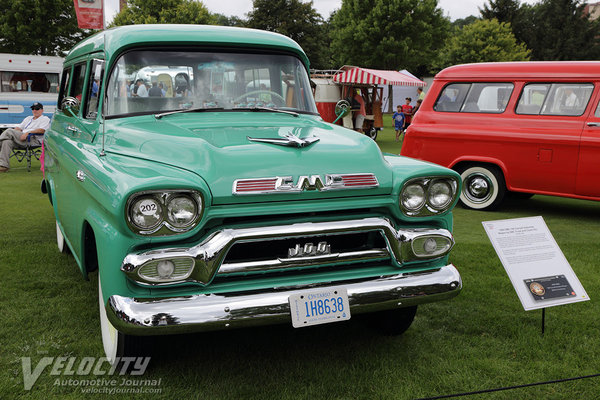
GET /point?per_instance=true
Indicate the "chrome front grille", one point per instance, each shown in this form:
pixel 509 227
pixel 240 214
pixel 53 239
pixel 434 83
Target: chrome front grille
pixel 310 251
pixel 325 244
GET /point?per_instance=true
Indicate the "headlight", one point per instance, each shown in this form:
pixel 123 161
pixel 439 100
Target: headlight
pixel 421 197
pixel 146 213
pixel 440 194
pixel 164 212
pixel 181 211
pixel 413 197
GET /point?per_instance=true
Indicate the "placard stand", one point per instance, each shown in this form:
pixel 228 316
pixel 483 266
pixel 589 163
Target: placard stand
pixel 543 320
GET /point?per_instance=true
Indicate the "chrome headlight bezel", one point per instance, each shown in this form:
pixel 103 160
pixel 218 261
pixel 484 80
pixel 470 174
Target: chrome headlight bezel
pixel 433 187
pixel 162 198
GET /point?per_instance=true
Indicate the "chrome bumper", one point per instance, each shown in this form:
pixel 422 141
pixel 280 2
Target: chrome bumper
pixel 234 310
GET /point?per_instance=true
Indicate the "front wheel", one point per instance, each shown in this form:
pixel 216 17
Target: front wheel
pixel 483 187
pixel 372 133
pixel 116 344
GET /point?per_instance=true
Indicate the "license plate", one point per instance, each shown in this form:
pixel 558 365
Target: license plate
pixel 319 307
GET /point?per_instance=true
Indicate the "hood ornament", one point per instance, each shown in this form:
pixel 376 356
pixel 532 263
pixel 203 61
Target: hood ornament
pixel 288 140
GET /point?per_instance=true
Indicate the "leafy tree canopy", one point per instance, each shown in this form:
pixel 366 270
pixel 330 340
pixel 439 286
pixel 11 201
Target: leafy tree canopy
pixel 483 41
pixel 164 12
pixel 224 20
pixel 297 20
pixel 388 34
pixel 45 27
pixel 562 31
pixel 552 29
pixel 461 22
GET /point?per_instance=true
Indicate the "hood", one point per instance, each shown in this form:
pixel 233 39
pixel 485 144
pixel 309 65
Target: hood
pixel 216 146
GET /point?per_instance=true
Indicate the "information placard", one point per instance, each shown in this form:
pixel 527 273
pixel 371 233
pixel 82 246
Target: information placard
pixel 537 268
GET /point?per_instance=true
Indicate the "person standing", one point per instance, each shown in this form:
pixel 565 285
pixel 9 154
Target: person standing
pixel 360 112
pixel 420 93
pixel 140 89
pixel 17 136
pixel 407 110
pixel 398 118
pixel 155 91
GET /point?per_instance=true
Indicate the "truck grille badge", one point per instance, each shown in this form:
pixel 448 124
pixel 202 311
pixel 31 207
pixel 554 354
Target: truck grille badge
pixel 309 249
pixel 285 184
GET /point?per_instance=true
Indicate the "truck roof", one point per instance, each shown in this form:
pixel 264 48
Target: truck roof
pixel 115 40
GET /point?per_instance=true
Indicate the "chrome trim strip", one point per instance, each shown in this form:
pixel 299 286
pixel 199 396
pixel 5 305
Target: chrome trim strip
pixel 285 184
pixel 232 268
pixel 206 312
pixel 210 254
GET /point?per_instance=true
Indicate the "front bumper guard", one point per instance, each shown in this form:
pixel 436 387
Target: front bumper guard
pixel 208 312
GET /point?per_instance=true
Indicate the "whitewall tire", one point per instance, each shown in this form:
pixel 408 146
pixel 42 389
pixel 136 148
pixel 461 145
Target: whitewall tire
pixel 61 243
pixel 483 187
pixel 110 336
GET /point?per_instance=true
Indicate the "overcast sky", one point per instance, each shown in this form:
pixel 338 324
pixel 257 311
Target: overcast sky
pixel 452 8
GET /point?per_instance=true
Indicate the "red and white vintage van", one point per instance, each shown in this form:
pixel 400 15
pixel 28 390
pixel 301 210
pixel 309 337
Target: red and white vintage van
pixel 522 127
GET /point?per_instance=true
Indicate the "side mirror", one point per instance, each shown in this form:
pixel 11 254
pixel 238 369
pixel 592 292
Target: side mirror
pixel 342 108
pixel 70 106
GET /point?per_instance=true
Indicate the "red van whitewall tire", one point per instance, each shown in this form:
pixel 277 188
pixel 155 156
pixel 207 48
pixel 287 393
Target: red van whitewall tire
pixel 483 187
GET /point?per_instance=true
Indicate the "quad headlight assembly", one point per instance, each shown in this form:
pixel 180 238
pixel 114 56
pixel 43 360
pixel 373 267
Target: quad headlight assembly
pixel 164 212
pixel 427 196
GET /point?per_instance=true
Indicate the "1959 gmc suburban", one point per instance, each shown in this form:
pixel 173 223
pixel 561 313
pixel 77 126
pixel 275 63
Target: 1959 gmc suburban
pixel 189 166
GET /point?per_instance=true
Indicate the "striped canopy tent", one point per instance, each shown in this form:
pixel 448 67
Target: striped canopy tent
pixel 368 76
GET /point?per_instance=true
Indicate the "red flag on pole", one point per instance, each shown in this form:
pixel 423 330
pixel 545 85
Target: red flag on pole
pixel 90 14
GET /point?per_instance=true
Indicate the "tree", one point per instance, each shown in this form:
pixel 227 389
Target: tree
pixel 462 22
pixel 224 20
pixel 45 27
pixel 297 20
pixel 483 41
pixel 562 31
pixel 163 12
pixel 502 10
pixel 388 34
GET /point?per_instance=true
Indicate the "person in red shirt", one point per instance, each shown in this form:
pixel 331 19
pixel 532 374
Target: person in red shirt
pixel 407 110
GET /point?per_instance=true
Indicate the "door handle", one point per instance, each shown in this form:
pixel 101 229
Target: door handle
pixel 593 124
pixel 72 129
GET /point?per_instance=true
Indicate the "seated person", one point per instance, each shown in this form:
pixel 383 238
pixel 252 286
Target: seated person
pixel 17 136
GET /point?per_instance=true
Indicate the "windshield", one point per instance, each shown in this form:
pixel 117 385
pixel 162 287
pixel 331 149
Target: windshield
pixel 154 81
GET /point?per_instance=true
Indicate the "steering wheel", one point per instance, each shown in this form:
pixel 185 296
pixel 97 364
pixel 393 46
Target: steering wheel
pixel 274 94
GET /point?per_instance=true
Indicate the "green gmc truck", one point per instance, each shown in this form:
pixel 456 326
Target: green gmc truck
pixel 188 165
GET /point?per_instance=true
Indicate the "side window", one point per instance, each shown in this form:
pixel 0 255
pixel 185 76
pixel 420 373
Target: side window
pixel 21 81
pixel 532 98
pixel 452 97
pixel 95 85
pixel 569 99
pixel 64 86
pixel 488 97
pixel 78 81
pixel 475 97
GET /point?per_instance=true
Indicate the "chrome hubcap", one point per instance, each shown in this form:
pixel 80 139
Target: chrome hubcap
pixel 478 188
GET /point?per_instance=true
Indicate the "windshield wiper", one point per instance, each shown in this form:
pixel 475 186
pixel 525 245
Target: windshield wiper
pixel 186 110
pixel 267 109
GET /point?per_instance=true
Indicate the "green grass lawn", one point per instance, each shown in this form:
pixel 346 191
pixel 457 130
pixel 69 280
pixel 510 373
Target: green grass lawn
pixel 482 339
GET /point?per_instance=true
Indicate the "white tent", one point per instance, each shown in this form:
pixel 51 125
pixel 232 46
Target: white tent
pixel 399 95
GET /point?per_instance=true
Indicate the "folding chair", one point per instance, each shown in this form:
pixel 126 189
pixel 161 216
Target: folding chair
pixel 31 149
